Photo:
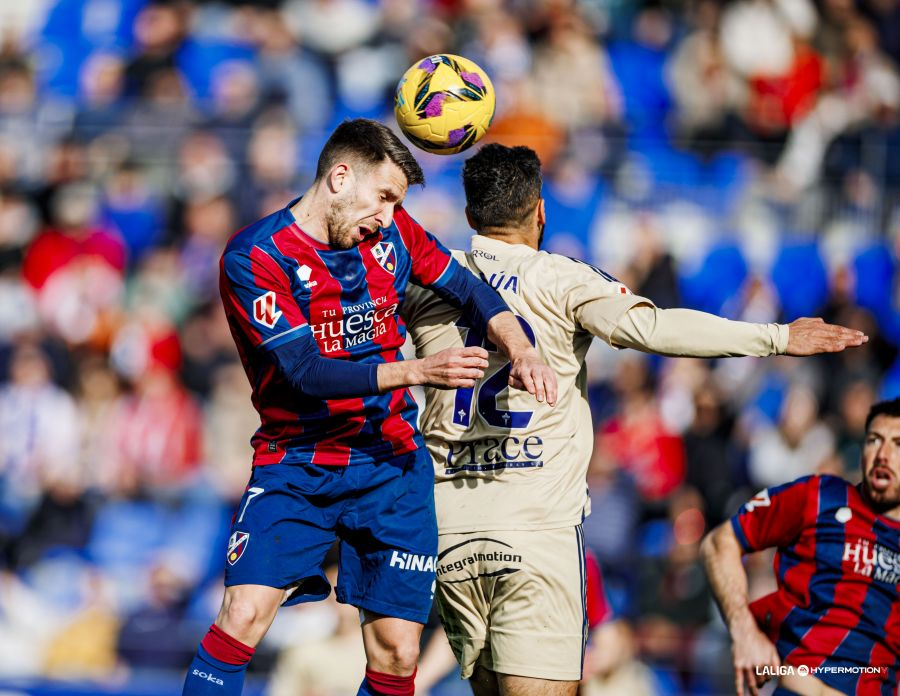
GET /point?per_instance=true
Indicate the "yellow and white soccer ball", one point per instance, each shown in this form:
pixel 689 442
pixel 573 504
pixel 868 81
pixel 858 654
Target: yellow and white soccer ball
pixel 444 104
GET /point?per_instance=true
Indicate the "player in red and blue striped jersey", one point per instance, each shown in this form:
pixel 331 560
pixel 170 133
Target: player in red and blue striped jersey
pixel 312 294
pixel 833 625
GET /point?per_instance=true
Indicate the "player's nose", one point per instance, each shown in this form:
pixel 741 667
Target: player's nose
pixel 385 216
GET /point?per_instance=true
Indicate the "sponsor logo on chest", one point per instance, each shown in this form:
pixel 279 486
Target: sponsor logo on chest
pixel 350 326
pixel 872 560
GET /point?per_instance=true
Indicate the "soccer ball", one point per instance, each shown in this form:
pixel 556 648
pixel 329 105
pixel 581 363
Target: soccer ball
pixel 444 104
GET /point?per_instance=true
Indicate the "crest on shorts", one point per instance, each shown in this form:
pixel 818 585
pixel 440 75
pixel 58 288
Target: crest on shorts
pixel 385 256
pixel 237 544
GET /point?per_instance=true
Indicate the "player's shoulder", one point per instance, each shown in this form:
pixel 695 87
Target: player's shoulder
pixel 404 223
pixel 825 490
pixel 257 235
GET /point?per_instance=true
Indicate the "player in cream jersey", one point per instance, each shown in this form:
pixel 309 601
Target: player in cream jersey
pixel 510 474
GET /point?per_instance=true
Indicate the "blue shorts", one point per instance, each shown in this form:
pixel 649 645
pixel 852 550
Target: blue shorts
pixel 383 514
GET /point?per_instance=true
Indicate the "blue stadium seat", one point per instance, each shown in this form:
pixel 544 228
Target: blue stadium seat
pixel 719 278
pixel 800 278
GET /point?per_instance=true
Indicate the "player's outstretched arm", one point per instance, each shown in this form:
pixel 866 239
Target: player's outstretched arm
pixel 453 368
pixel 721 554
pixel 528 370
pixel 686 332
pixel 809 336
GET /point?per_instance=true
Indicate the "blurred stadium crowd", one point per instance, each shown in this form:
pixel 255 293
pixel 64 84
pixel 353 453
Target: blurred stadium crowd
pixel 738 157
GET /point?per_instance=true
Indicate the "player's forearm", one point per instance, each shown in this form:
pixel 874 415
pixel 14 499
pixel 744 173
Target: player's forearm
pixel 506 333
pixel 686 332
pixel 400 374
pixel 721 554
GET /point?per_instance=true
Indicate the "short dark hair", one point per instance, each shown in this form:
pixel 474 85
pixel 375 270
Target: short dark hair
pixel 502 184
pixel 883 408
pixel 370 142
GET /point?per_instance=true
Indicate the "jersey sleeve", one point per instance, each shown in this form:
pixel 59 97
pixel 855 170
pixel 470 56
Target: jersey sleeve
pixel 256 293
pixel 687 332
pixel 775 516
pixel 430 259
pixel 595 301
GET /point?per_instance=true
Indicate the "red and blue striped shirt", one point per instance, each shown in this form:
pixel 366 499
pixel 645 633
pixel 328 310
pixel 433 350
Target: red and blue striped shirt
pixel 837 607
pixel 279 285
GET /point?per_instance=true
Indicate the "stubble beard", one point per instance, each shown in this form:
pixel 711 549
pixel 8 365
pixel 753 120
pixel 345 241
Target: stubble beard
pixel 340 231
pixel 882 501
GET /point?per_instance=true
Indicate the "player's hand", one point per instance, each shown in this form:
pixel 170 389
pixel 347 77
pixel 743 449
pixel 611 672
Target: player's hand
pixel 453 368
pixel 751 649
pixel 529 372
pixel 810 336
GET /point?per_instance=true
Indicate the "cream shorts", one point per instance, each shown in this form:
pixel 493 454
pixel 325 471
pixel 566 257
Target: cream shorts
pixel 514 601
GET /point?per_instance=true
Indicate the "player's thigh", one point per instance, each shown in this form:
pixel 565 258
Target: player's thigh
pixel 526 591
pixel 389 539
pixel 282 529
pixel 463 603
pixel 527 686
pixel 483 682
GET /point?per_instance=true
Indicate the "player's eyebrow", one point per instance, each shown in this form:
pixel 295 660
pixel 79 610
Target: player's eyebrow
pixel 881 436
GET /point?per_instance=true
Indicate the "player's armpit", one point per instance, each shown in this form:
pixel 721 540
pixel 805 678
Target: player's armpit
pixel 686 332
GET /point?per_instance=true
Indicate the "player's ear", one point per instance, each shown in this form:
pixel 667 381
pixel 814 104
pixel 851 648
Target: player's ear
pixel 338 176
pixel 469 219
pixel 541 213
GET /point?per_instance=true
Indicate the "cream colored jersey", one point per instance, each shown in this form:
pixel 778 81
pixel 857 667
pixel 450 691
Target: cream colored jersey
pixel 502 460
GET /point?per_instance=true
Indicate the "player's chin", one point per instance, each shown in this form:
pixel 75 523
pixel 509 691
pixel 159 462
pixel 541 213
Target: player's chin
pixel 885 497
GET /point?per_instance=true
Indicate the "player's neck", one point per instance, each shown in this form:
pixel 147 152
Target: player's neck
pixel 510 235
pixel 309 212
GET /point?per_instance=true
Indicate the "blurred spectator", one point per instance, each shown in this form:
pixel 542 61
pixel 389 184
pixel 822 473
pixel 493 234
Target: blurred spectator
pixel 672 588
pixel 573 84
pixel 795 447
pixel 156 432
pixel 208 225
pixel 159 29
pixel 704 87
pixel 636 438
pixel 38 432
pixel 154 635
pixel 76 268
pixel 131 208
pixel 288 73
pixel 711 453
pixel 229 424
pixel 867 89
pixel 101 90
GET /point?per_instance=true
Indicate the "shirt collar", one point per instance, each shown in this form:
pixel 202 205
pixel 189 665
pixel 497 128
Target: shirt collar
pixel 497 246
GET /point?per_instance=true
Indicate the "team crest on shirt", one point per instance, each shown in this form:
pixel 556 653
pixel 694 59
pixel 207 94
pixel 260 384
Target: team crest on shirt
pixel 385 256
pixel 237 544
pixel 265 311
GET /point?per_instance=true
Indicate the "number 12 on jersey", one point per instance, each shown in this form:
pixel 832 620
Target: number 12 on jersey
pixel 485 393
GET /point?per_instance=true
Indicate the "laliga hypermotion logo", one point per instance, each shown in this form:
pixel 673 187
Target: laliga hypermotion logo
pixel 265 311
pixel 385 256
pixel 237 544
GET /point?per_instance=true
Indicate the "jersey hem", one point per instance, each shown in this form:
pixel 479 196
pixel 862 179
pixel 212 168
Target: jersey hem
pixel 386 608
